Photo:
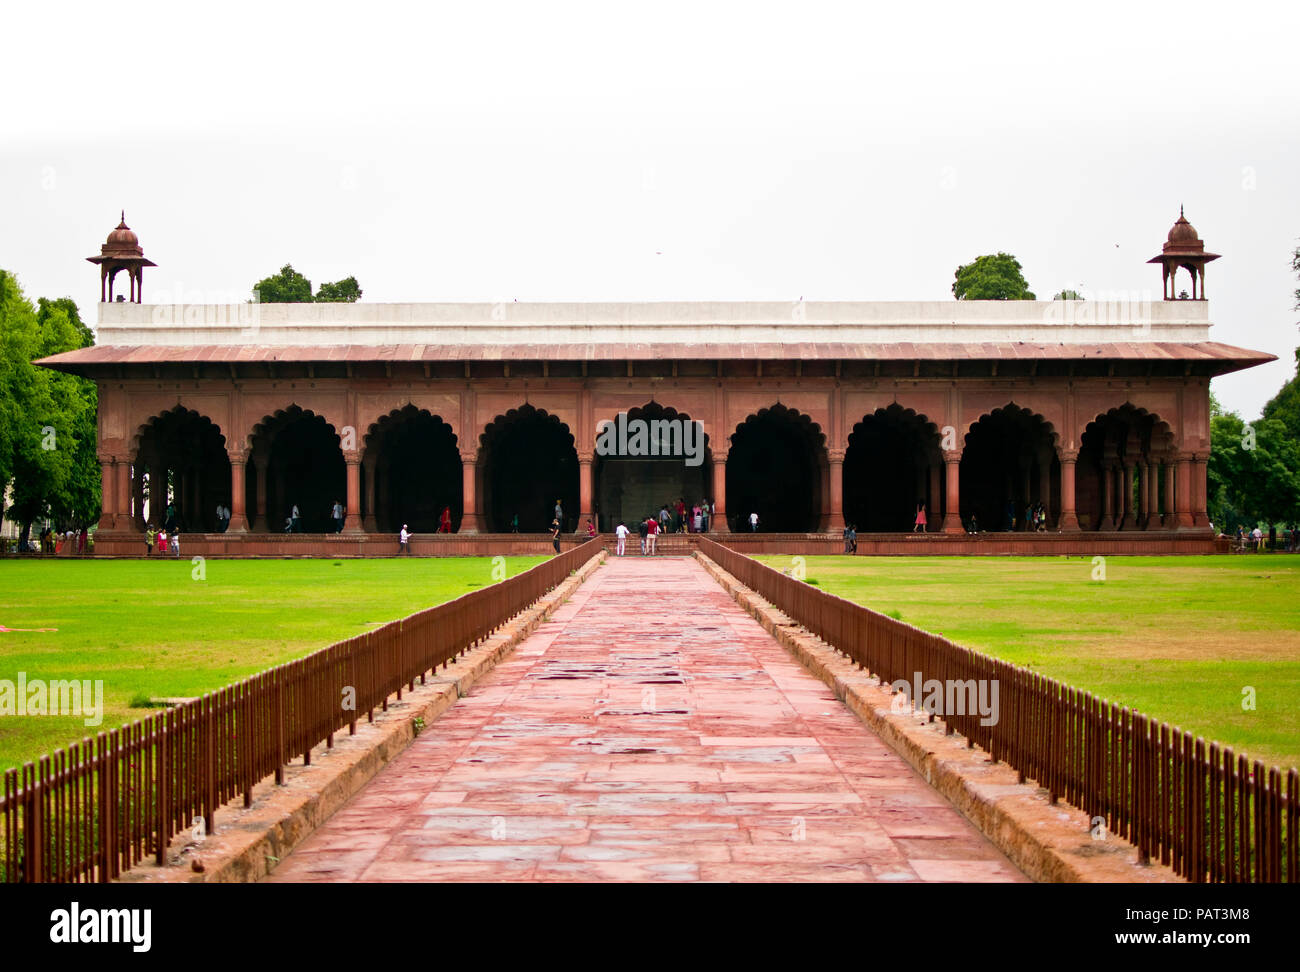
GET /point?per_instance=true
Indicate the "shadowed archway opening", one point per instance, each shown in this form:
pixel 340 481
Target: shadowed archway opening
pixel 181 462
pixel 892 464
pixel 1008 465
pixel 676 464
pixel 1122 471
pixel 777 468
pixel 304 468
pixel 411 471
pixel 527 462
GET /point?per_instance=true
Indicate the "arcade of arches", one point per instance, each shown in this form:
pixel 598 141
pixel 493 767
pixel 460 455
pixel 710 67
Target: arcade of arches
pixel 1126 474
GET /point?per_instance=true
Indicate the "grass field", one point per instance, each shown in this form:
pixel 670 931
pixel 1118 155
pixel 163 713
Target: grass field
pixel 1178 638
pixel 148 629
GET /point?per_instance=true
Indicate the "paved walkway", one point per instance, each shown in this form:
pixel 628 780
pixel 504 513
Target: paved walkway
pixel 650 731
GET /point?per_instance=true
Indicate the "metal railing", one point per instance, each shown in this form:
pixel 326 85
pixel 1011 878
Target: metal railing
pixel 93 810
pixel 1206 813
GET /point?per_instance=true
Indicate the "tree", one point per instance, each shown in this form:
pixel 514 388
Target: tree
pixel 1284 407
pixel 47 419
pixel 345 290
pixel 1253 474
pixel 1068 295
pixel 286 287
pixel 290 287
pixel 991 277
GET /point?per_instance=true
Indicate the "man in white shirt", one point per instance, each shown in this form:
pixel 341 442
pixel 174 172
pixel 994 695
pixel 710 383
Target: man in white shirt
pixel 753 523
pixel 403 539
pixel 621 532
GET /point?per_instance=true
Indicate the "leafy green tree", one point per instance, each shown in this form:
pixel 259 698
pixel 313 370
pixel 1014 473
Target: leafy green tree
pixel 47 419
pixel 1284 407
pixel 1253 472
pixel 991 277
pixel 344 291
pixel 290 287
pixel 286 287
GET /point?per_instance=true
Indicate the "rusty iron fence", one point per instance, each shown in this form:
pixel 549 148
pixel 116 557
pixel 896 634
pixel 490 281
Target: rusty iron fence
pixel 91 811
pixel 1207 813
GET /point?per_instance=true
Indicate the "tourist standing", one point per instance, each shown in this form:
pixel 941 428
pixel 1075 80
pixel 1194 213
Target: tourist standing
pixel 644 531
pixel 149 536
pixel 555 532
pixel 706 514
pixel 295 520
pixel 444 524
pixel 404 540
pixel 337 512
pixel 853 539
pixel 559 514
pixel 753 522
pixel 620 533
pixel 176 543
pixel 919 526
pixel 652 530
pixel 665 518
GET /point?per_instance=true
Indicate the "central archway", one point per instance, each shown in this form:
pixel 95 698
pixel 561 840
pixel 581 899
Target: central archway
pixel 630 487
pixel 181 465
pixel 776 468
pixel 528 461
pixel 893 463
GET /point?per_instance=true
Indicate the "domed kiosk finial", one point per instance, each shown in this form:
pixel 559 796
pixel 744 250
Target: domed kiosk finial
pixel 121 251
pixel 1184 249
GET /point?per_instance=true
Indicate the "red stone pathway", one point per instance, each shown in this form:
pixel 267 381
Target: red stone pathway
pixel 651 731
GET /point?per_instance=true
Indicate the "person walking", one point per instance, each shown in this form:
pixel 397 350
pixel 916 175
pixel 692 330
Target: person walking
pixel 559 514
pixel 555 532
pixel 652 530
pixel 337 513
pixel 644 530
pixel 176 543
pixel 697 518
pixel 620 533
pixel 853 539
pixel 753 522
pixel 706 514
pixel 295 520
pixel 665 518
pixel 149 536
pixel 514 523
pixel 444 522
pixel 403 541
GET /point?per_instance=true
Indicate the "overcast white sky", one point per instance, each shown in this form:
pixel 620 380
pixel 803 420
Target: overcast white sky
pixel 662 150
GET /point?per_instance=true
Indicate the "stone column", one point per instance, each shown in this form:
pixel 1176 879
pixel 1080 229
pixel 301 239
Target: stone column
pixel 238 516
pixel 1183 494
pixel 107 483
pixel 586 483
pixel 1107 497
pixel 719 522
pixel 952 471
pixel 835 475
pixel 368 521
pixel 1069 522
pixel 262 520
pixel 352 513
pixel 471 521
pixel 1200 515
pixel 1143 511
pixel 1170 519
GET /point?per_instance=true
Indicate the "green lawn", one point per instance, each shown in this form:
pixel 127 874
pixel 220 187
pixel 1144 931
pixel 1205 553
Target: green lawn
pixel 1178 638
pixel 149 629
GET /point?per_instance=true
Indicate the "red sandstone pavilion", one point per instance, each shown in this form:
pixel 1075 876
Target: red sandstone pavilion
pixel 815 414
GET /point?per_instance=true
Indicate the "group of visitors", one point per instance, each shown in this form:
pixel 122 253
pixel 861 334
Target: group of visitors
pixel 850 538
pixel 1257 541
pixel 69 541
pixel 223 518
pixel 679 518
pixel 649 528
pixel 162 539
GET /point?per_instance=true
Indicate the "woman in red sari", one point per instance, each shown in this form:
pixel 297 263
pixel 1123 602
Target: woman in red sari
pixel 444 525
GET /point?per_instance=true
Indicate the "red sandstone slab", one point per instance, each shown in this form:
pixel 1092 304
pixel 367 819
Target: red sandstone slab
pixel 607 749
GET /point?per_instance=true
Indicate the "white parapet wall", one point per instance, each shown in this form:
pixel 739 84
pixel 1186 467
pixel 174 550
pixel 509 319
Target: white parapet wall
pixel 675 322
